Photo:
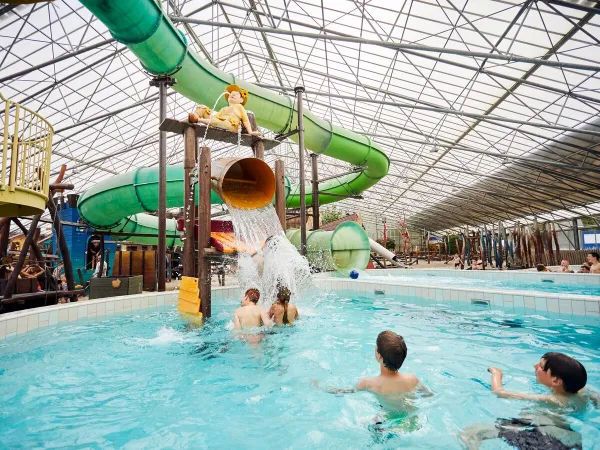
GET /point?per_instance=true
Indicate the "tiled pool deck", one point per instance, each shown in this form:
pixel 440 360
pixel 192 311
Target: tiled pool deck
pixel 20 322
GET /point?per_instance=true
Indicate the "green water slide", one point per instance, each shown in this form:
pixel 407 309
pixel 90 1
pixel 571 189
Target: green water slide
pixel 118 204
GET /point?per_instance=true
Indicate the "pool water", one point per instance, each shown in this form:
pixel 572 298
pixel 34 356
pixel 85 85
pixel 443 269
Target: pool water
pixel 438 279
pixel 146 380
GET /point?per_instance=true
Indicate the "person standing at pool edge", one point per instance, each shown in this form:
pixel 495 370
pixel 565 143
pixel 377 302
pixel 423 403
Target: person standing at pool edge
pixel 250 315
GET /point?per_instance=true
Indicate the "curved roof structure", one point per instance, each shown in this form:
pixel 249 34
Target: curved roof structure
pixel 489 110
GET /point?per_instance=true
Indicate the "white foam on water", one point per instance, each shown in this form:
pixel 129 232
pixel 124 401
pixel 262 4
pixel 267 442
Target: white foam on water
pixel 166 335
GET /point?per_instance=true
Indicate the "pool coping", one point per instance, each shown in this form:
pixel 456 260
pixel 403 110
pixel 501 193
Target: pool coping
pixel 522 275
pixel 20 322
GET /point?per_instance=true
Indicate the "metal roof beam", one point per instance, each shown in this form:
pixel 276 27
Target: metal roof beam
pixel 393 45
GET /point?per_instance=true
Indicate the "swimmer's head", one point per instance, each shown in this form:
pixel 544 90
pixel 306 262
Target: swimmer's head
pixel 251 296
pixel 559 371
pixel 283 294
pixel 390 350
pixel 540 267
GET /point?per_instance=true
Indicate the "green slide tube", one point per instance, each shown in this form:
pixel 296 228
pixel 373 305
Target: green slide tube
pixel 344 249
pixel 162 49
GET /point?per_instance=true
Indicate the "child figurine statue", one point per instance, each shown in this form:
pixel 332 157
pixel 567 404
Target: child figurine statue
pixel 229 117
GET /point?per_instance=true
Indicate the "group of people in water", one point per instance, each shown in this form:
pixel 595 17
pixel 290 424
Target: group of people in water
pixel 590 265
pixel 251 315
pixel 564 376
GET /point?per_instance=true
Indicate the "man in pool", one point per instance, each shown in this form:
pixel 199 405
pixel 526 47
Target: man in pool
pixel 592 258
pixel 390 386
pixel 565 377
pixel 250 315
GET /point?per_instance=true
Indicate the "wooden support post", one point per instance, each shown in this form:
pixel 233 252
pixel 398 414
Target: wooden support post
pixel 5 230
pixel 204 174
pixel 280 192
pixel 32 254
pixel 258 147
pixel 189 207
pixel 12 280
pixel 62 245
pixel 315 190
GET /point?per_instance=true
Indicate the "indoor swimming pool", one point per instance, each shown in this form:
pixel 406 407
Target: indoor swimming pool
pixel 145 379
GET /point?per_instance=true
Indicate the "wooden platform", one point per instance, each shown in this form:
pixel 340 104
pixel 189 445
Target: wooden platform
pixel 216 134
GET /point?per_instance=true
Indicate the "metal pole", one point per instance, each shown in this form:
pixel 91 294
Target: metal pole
pixel 280 192
pixel 189 207
pixel 162 83
pixel 204 173
pixel 315 190
pixel 299 90
pixel 101 256
pixel 576 235
pixel 403 47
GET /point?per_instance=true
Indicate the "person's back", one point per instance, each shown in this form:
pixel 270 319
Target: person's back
pixel 250 315
pixel 392 388
pixel 280 315
pixel 282 312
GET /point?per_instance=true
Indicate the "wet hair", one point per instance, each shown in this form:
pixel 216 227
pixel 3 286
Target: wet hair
pixel 569 370
pixel 594 255
pixel 392 348
pixel 540 267
pixel 283 298
pixel 253 295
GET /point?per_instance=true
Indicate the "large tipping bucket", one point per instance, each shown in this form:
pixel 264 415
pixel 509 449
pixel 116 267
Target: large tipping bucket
pixel 246 183
pixel 344 249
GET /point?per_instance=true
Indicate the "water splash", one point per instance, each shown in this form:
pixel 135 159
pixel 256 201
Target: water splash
pixel 194 175
pixel 266 257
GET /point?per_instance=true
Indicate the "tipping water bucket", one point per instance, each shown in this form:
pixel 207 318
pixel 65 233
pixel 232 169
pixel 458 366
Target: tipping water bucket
pixel 246 183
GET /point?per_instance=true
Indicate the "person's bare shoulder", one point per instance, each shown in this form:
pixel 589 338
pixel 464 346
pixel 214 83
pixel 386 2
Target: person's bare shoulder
pixel 366 384
pixel 411 381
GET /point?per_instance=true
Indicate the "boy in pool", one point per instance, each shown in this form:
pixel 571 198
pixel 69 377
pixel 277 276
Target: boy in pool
pixel 565 377
pixel 390 386
pixel 250 315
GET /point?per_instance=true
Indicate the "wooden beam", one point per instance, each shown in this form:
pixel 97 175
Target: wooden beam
pixel 189 207
pixel 204 209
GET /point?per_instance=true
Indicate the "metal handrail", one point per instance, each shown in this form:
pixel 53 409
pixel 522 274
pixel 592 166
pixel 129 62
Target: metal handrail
pixel 26 149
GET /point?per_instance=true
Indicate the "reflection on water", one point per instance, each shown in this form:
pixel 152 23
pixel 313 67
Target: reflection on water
pixel 144 380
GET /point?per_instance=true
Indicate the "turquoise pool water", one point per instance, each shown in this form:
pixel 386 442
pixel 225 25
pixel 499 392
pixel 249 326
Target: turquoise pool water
pixel 439 279
pixel 145 380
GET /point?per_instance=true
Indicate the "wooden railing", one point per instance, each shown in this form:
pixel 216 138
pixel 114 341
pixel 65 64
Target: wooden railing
pixel 26 152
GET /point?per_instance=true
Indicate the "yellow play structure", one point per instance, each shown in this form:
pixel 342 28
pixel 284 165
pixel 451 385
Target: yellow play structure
pixel 26 152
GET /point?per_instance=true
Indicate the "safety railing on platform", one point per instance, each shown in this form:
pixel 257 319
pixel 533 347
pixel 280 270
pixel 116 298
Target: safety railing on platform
pixel 25 159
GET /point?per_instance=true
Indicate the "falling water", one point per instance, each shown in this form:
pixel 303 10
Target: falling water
pixel 194 175
pixel 266 257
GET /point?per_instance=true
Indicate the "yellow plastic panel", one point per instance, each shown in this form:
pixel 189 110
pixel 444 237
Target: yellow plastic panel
pixel 189 296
